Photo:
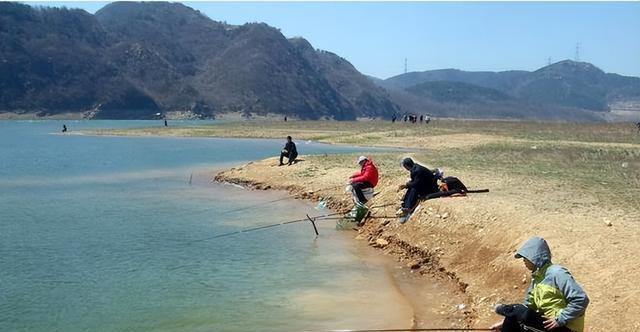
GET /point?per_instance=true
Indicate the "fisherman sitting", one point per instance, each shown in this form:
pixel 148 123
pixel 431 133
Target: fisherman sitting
pixel 364 181
pixel 289 151
pixel 450 186
pixel 423 182
pixel 554 301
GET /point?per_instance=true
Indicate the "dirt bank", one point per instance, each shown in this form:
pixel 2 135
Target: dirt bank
pixel 471 240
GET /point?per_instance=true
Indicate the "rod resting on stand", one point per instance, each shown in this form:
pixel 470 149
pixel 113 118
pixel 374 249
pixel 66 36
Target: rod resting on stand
pixel 314 224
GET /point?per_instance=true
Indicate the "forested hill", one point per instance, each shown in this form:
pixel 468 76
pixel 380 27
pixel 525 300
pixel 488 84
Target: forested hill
pixel 132 60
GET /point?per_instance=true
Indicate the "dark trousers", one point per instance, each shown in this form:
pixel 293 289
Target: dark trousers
pixel 412 195
pixel 517 314
pixel 290 156
pixel 357 187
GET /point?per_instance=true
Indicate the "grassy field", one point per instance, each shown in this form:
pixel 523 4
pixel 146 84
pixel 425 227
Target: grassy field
pixel 378 132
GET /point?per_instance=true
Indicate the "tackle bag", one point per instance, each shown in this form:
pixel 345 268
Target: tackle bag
pixel 452 183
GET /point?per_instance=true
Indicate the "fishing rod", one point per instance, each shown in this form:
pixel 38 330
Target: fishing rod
pixel 476 191
pixel 383 205
pixel 246 230
pixel 381 217
pixel 182 243
pixel 529 328
pixel 252 206
pixel 286 198
pixel 410 330
pixel 427 198
pixel 267 202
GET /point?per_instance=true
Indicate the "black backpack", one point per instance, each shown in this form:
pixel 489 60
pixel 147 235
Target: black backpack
pixel 452 183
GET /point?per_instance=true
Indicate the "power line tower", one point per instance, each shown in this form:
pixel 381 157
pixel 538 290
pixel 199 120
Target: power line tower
pixel 405 65
pixel 577 52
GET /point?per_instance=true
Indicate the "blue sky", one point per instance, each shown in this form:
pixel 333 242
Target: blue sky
pixel 376 37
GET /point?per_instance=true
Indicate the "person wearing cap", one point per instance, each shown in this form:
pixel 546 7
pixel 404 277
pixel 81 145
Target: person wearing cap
pixel 289 151
pixel 366 178
pixel 554 300
pixel 423 182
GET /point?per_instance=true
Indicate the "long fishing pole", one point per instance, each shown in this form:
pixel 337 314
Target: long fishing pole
pixel 253 205
pixel 321 217
pixel 530 328
pixel 382 217
pixel 410 330
pixel 265 203
pixel 383 205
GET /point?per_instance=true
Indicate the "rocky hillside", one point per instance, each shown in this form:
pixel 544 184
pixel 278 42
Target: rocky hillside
pixel 131 60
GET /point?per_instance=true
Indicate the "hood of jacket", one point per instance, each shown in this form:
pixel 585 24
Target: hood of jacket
pixel 535 250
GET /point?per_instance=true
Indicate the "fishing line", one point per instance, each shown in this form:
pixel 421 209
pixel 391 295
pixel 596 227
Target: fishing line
pixel 265 203
pixel 252 206
pixel 178 244
pixel 381 217
pixel 321 217
pixel 383 205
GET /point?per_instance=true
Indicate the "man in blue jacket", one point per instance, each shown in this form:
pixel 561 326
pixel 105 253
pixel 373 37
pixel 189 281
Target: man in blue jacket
pixel 554 300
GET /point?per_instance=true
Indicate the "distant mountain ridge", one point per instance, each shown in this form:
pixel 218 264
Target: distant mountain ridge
pixel 133 59
pixel 566 87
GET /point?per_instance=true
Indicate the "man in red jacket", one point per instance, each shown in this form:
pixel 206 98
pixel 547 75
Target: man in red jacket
pixel 366 178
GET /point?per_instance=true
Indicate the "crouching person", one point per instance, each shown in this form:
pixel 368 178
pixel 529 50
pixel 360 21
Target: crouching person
pixel 289 151
pixel 554 300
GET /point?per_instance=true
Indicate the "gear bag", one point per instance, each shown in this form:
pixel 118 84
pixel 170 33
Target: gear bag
pixel 452 183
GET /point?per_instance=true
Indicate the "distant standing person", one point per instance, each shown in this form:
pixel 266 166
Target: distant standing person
pixel 421 118
pixel 165 123
pixel 285 118
pixel 423 182
pixel 64 128
pixel 289 151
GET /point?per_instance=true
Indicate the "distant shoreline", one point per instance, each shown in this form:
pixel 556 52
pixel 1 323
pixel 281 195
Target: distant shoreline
pixel 614 116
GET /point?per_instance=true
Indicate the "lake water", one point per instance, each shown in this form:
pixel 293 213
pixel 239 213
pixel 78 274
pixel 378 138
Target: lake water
pixel 114 234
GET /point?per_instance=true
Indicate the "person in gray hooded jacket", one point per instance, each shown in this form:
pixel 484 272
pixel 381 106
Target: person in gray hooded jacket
pixel 554 300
